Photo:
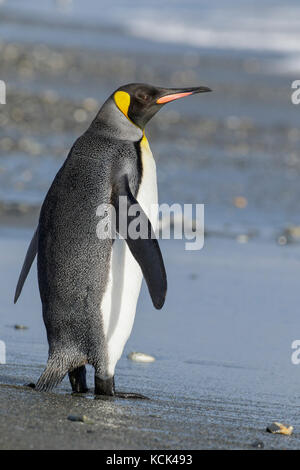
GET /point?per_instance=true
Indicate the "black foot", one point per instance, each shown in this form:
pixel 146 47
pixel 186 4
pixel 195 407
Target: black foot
pixel 31 385
pixel 105 387
pixel 77 379
pixel 132 396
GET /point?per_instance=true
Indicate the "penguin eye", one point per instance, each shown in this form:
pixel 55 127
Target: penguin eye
pixel 143 97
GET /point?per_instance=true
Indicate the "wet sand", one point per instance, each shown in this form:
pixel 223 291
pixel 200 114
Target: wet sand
pixel 222 344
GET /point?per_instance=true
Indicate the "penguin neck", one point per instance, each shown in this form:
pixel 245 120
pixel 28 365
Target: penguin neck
pixel 111 122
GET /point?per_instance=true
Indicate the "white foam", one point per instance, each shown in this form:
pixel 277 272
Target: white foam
pixel 274 35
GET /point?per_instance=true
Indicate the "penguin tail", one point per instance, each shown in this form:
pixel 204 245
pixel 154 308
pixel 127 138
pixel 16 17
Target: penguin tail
pixel 56 369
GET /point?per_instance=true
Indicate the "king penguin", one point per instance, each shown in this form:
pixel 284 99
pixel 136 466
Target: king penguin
pixel 89 286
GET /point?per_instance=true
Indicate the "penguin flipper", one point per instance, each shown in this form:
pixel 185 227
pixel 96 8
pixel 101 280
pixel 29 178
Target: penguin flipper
pixel 145 250
pixel 29 258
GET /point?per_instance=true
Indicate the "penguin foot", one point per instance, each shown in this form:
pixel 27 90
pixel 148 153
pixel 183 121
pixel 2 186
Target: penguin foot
pixel 77 379
pixel 105 387
pixel 30 385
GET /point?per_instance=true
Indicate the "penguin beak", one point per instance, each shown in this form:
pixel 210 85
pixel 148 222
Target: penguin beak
pixel 172 94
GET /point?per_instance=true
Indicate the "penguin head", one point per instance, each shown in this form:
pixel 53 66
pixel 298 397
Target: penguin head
pixel 140 102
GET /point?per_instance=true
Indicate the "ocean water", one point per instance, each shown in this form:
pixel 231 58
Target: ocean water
pixel 242 140
pixel 215 25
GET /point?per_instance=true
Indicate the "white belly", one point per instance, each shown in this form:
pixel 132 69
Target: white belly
pixel 125 276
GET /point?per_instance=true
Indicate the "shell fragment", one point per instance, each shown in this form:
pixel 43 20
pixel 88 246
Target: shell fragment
pixel 278 428
pixel 140 357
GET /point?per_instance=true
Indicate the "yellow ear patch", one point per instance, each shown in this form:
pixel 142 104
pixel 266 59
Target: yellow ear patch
pixel 145 143
pixel 122 100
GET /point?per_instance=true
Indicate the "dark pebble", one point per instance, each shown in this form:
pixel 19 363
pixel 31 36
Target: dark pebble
pixel 21 327
pixel 80 419
pixel 257 444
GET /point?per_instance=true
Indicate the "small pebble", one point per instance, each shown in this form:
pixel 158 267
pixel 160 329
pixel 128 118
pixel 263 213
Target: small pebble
pixel 278 428
pixel 21 327
pixel 80 115
pixel 291 234
pixel 282 240
pixel 90 104
pixel 140 357
pixel 258 444
pixel 242 238
pixel 80 419
pixel 294 232
pixel 240 202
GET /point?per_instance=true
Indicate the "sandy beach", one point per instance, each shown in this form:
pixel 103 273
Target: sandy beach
pixel 213 385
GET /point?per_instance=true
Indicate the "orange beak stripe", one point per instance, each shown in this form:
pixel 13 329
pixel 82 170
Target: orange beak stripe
pixel 176 96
